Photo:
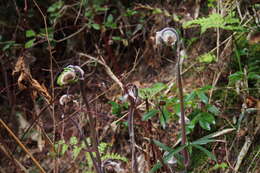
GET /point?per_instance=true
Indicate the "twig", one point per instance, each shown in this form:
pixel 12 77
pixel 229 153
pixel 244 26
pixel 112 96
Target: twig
pixel 52 76
pixel 73 34
pixel 35 121
pixel 81 3
pixel 243 153
pixel 22 146
pixel 8 153
pixel 107 68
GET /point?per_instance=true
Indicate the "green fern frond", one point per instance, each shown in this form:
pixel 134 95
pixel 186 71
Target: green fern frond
pixel 102 147
pixel 215 20
pixel 114 156
pixel 152 91
pixel 105 156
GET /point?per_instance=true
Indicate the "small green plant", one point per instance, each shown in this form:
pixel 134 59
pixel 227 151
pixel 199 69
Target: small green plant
pixel 54 11
pixel 212 3
pixel 170 107
pixel 246 65
pixel 75 147
pixel 33 36
pixel 117 109
pixel 207 58
pixel 215 20
pixel 108 23
pixel 203 114
pixel 154 94
pixel 198 144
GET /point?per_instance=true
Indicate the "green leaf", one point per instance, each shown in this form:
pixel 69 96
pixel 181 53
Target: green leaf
pixel 156 167
pixel 149 114
pixel 205 125
pixel 215 20
pixel 162 146
pixel 205 116
pixel 116 38
pixel 95 26
pixel 152 91
pixel 209 154
pixel 205 120
pixel 205 88
pixel 110 18
pixel 190 96
pixel 233 78
pixel 177 108
pixel 207 58
pixel 73 140
pixel 202 96
pixel 130 12
pixel 164 117
pixel 253 76
pixel 166 158
pixel 30 33
pixel 101 9
pixel 29 43
pixel 64 149
pixel 157 11
pixel 163 121
pixel 75 152
pixel 116 108
pixel 213 109
pixel 8 44
pixel 173 152
pixel 220 166
pixel 216 134
pixel 113 156
pixel 203 141
pixel 61 142
pixel 55 6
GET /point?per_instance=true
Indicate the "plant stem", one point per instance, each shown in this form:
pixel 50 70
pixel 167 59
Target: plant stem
pixel 94 140
pixel 132 137
pixel 183 130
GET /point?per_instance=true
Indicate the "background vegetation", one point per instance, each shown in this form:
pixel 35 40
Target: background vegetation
pixel 114 43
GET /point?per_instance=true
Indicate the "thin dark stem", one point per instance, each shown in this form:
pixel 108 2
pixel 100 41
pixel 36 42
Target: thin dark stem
pixel 132 137
pixel 94 140
pixel 183 130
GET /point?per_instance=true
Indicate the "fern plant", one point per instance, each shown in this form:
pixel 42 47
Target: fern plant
pixel 215 20
pixel 107 156
pixel 76 147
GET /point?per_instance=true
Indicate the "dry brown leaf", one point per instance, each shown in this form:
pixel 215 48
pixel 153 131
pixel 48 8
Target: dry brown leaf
pixel 25 79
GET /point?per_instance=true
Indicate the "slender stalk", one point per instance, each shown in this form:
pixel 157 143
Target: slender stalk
pixel 132 93
pixel 183 130
pixel 94 140
pixel 134 166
